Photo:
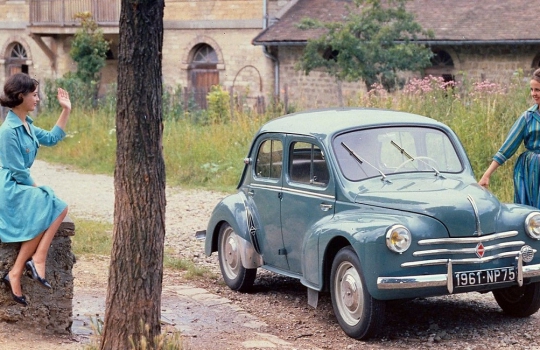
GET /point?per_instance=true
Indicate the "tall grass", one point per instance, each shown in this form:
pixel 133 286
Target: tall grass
pixel 207 152
pixel 210 156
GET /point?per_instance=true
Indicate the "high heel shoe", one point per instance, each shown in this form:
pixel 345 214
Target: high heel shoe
pixel 32 268
pixel 19 299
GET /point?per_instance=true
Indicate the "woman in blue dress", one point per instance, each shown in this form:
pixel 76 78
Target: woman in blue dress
pixel 29 214
pixel 525 130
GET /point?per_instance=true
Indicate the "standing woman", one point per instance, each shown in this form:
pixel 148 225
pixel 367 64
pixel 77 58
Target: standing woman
pixel 28 214
pixel 526 129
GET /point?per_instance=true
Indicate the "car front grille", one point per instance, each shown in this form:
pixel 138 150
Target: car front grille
pixel 466 250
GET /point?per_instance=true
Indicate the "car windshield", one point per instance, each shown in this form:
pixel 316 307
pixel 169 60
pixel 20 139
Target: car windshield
pixel 368 153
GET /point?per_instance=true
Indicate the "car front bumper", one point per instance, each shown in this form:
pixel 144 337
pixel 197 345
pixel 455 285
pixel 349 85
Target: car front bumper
pixel 441 280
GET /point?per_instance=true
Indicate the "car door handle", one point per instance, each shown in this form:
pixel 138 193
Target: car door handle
pixel 326 207
pixel 251 193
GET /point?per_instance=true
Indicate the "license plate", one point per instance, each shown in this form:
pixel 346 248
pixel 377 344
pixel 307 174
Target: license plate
pixel 480 277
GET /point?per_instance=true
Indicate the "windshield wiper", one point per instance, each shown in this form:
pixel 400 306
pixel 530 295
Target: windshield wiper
pixel 402 151
pixel 361 160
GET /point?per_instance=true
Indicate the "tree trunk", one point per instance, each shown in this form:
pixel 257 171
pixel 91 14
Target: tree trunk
pixel 136 270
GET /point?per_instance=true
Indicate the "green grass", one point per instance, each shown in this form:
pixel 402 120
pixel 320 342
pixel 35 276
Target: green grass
pixel 214 160
pixel 192 270
pixel 95 238
pixel 92 238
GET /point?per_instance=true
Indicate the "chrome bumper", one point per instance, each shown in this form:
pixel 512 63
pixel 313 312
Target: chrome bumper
pixel 441 280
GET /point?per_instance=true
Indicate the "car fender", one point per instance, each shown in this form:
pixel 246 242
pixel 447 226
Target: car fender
pixel 322 244
pixel 366 234
pixel 233 210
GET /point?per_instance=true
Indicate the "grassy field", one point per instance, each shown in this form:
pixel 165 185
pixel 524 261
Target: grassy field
pixel 205 151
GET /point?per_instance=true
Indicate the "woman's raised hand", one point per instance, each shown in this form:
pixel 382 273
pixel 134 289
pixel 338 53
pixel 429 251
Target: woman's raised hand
pixel 63 99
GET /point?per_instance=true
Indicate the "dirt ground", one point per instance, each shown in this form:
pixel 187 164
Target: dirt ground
pixel 275 315
pixel 281 319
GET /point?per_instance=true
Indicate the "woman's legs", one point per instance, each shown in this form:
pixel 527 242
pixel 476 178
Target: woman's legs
pixel 40 254
pixel 16 272
pixel 37 248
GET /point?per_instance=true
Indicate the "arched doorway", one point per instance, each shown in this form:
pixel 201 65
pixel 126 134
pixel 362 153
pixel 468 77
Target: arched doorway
pixel 16 60
pixel 203 73
pixel 442 65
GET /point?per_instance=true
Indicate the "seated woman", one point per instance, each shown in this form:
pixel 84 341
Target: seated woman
pixel 29 214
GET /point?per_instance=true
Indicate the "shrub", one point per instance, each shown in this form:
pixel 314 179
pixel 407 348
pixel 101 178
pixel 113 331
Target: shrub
pixel 218 105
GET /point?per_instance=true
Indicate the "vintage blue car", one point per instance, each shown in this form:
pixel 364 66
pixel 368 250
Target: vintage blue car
pixel 373 205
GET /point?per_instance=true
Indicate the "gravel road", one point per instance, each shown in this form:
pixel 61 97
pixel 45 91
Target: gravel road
pixel 468 321
pixel 91 197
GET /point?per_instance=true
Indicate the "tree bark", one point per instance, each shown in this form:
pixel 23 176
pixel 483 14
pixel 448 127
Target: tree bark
pixel 136 270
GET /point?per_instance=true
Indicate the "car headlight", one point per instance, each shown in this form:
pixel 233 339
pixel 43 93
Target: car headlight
pixel 398 238
pixel 532 225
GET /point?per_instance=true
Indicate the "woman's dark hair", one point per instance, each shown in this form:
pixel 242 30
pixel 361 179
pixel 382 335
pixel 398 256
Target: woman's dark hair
pixel 536 75
pixel 15 88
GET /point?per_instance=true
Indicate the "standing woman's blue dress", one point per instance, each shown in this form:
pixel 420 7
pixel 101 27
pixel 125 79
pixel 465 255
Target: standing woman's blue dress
pixel 25 210
pixel 527 169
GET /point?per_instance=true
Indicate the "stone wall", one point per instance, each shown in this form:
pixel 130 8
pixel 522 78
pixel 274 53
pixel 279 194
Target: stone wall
pixel 316 90
pixel 228 26
pixel 240 63
pixel 48 310
pixel 496 63
pixel 182 10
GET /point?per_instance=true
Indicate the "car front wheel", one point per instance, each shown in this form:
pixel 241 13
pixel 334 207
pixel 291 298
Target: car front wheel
pixel 236 276
pixel 359 315
pixel 519 301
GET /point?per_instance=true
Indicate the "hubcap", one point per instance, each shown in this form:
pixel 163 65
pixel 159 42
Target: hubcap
pixel 231 255
pixel 349 293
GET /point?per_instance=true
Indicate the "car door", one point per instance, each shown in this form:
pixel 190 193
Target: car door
pixel 308 196
pixel 264 191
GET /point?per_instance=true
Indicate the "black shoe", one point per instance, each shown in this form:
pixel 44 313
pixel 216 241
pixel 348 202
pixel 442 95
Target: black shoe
pixel 35 275
pixel 19 299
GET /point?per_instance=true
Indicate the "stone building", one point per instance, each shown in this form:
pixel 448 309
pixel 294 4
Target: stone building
pixel 35 36
pixel 478 40
pixel 251 46
pixel 205 42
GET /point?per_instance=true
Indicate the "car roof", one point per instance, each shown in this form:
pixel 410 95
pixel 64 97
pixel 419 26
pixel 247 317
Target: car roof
pixel 326 122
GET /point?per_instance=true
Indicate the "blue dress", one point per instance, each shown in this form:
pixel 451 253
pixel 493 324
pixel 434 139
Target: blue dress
pixel 25 210
pixel 525 130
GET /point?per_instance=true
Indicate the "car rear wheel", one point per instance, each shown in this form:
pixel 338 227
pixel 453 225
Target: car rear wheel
pixel 236 276
pixel 359 315
pixel 519 301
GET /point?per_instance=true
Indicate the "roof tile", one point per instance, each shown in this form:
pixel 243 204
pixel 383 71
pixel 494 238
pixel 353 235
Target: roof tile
pixel 450 20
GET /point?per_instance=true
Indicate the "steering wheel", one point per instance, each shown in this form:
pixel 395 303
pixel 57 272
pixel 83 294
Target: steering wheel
pixel 428 159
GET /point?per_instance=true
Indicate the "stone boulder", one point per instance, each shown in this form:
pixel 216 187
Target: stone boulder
pixel 48 310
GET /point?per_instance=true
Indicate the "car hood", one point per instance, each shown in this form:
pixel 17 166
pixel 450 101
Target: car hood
pixel 464 208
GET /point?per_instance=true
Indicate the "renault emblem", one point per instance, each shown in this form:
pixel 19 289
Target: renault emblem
pixel 480 250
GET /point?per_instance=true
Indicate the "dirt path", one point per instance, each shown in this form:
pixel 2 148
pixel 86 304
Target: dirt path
pixel 202 317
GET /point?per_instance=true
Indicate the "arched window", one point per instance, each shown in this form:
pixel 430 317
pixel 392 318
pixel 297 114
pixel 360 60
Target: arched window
pixel 16 60
pixel 441 65
pixel 205 56
pixel 203 73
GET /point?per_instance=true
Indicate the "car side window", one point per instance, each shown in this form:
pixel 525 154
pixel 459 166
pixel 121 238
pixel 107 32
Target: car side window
pixel 308 165
pixel 269 159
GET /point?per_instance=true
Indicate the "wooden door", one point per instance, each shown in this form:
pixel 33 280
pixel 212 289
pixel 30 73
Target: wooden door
pixel 202 81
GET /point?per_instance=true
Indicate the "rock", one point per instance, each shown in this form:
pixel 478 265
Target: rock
pixel 49 310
